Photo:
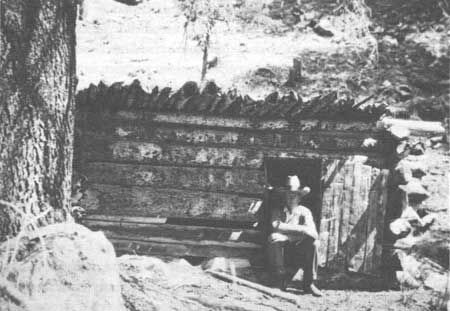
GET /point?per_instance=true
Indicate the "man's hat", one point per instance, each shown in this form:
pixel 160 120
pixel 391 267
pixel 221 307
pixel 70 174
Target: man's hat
pixel 294 185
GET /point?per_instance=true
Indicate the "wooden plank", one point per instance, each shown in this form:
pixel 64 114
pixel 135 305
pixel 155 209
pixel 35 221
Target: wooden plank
pixel 372 220
pixel 103 150
pixel 332 181
pixel 191 178
pixel 324 231
pixel 146 201
pixel 359 214
pixel 226 122
pixel 128 219
pixel 333 242
pixel 184 221
pixel 341 260
pixel 375 228
pixel 177 232
pixel 177 249
pixel 136 236
pixel 162 133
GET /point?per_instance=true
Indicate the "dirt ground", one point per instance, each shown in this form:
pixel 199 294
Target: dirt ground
pixel 150 284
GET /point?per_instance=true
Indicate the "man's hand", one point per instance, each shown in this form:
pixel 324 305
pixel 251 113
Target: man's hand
pixel 278 237
pixel 299 229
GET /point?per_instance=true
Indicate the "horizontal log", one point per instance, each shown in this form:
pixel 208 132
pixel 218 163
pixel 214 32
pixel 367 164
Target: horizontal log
pixel 184 221
pixel 184 234
pixel 416 127
pixel 127 219
pixel 325 140
pixel 243 123
pixel 177 249
pixel 109 150
pixel 147 201
pixel 204 179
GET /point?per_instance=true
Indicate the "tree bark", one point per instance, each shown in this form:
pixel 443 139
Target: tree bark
pixel 37 88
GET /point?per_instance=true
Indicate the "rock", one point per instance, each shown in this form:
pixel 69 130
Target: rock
pixel 76 271
pixel 225 264
pixel 419 270
pixel 403 149
pixel 403 173
pixel 406 280
pixel 426 222
pixel 369 143
pixel 404 92
pixel 410 276
pixel 389 41
pixel 400 133
pixel 320 30
pixel 387 84
pixel 437 146
pixel 437 281
pixel 407 242
pixel 400 226
pixel 416 192
pixel 436 139
pixel 418 168
pixel 266 73
pixel 411 215
pixel 418 148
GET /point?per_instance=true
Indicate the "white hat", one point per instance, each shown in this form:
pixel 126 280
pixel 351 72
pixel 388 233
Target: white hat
pixel 293 183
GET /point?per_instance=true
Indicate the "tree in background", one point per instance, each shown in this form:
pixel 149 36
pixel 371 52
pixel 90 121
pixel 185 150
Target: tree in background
pixel 37 88
pixel 201 17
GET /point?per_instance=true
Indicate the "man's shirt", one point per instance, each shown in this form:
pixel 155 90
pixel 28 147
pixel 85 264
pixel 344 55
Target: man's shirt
pixel 299 215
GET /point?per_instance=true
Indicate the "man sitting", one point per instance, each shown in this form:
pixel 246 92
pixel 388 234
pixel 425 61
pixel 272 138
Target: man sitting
pixel 293 239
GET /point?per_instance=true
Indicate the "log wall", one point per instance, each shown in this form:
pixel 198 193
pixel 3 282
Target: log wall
pixel 182 165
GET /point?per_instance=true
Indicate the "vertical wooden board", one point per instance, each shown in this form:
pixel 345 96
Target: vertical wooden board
pixel 358 217
pixel 373 255
pixel 333 240
pixel 324 232
pixel 372 219
pixel 340 260
pixel 332 174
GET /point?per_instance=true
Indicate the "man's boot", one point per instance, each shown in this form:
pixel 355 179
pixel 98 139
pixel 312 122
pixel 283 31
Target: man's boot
pixel 282 282
pixel 313 290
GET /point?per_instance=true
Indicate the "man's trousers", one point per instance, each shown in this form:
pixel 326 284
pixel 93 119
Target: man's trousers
pixel 294 255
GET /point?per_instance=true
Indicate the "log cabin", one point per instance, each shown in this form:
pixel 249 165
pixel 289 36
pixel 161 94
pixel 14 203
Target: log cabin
pixel 186 173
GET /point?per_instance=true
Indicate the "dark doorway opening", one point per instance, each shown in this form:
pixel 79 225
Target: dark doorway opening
pixel 308 171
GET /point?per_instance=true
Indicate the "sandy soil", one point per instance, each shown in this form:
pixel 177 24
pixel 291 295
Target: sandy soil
pixel 181 286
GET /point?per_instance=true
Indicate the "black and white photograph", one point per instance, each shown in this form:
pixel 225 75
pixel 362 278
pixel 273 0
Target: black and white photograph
pixel 224 155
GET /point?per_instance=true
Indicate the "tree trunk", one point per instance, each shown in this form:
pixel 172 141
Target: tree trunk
pixel 37 85
pixel 205 57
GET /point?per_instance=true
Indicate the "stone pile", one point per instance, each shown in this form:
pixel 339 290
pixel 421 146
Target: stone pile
pixel 411 221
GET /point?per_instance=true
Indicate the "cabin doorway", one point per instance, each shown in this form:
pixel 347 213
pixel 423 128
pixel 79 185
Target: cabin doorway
pixel 308 171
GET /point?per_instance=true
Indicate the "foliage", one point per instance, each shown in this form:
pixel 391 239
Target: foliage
pixel 201 18
pixel 356 22
pixel 10 251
